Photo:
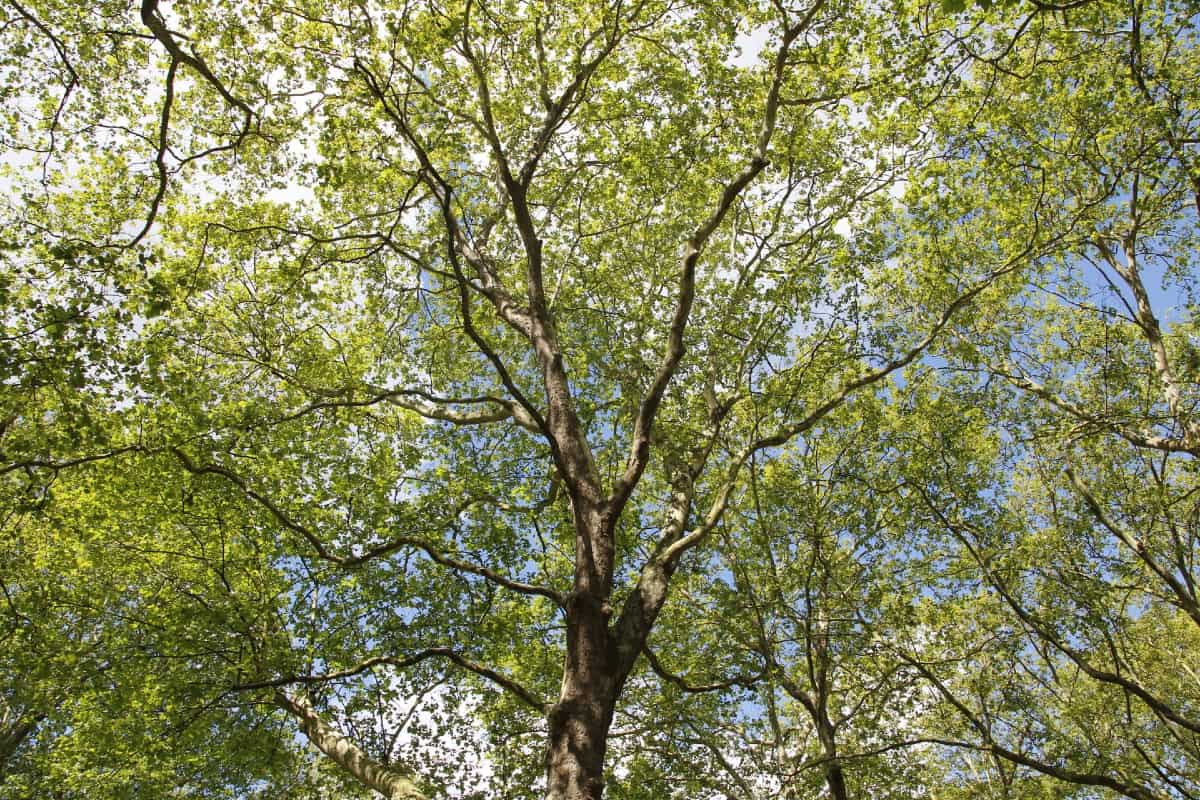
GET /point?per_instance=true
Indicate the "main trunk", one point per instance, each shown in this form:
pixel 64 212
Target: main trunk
pixel 575 751
pixel 579 722
pixel 835 778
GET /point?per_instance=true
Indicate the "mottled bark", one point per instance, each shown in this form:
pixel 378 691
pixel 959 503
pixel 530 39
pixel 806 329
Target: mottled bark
pixel 579 722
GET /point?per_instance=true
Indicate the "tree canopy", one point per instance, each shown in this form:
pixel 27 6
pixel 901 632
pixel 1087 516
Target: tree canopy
pixel 459 398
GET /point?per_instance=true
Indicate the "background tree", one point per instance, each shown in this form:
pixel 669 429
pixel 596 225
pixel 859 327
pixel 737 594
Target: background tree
pixel 1076 538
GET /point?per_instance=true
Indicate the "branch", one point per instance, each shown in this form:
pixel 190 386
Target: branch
pixel 72 82
pixel 786 433
pixel 639 448
pixel 1185 599
pixel 1188 443
pixel 160 153
pixel 1131 790
pixel 240 482
pixel 430 406
pixel 794 689
pixel 1151 329
pixel 669 551
pixel 745 681
pixel 643 604
pixel 14 731
pixel 394 783
pixel 557 111
pixel 457 242
pixel 394 544
pixel 573 453
pixel 456 564
pixel 504 682
pixel 1138 70
pixel 1043 631
pixel 39 463
pixel 154 22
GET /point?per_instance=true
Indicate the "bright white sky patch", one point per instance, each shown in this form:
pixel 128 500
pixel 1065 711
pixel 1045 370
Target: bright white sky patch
pixel 749 45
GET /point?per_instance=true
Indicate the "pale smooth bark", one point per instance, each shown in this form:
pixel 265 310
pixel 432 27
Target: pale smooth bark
pixel 390 781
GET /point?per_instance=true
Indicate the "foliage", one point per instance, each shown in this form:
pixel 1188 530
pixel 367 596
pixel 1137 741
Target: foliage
pixel 464 399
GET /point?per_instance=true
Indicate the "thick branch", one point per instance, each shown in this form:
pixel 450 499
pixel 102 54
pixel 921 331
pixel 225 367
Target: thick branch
pixel 154 22
pixel 1150 327
pixel 573 451
pixel 14 731
pixel 642 606
pixel 392 782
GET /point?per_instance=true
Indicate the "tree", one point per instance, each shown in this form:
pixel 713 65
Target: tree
pixel 1081 528
pixel 378 372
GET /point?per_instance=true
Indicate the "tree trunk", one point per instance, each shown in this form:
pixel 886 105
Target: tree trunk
pixel 575 751
pixel 835 778
pixel 579 722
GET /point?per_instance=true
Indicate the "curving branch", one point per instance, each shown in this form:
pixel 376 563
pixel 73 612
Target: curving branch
pixel 458 243
pixel 72 80
pixel 283 518
pixel 1188 443
pixel 323 552
pixel 1044 631
pixel 456 564
pixel 152 19
pixel 160 153
pixel 430 406
pixel 1135 791
pixel 503 681
pixel 55 466
pixel 744 681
